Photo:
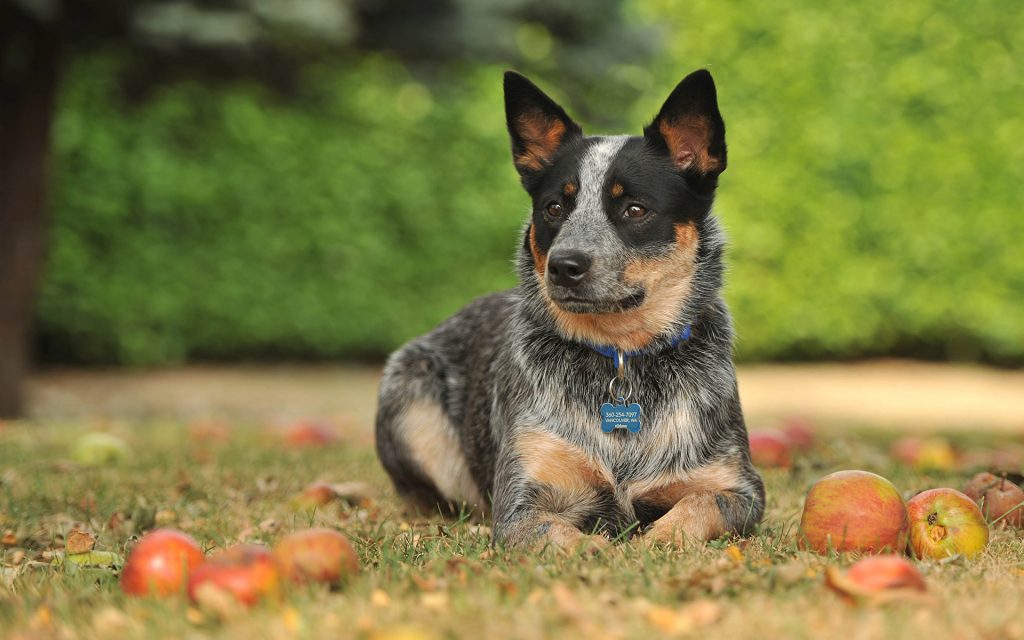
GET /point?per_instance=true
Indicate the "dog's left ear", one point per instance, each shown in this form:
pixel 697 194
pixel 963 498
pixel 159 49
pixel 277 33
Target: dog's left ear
pixel 690 126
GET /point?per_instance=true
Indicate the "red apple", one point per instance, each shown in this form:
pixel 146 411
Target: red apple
pixel 945 522
pixel 800 433
pixel 160 563
pixel 853 511
pixel 998 498
pixel 248 572
pixel 309 433
pixel 316 555
pixel 770 448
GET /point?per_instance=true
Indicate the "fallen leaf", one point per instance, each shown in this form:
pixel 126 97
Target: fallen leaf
pixel 436 601
pixel 734 553
pixel 79 542
pixel 685 619
pixel 110 622
pixel 379 598
pixel 218 602
pixel 9 539
pixel 877 580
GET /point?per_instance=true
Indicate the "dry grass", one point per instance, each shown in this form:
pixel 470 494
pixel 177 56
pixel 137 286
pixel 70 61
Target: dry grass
pixel 438 579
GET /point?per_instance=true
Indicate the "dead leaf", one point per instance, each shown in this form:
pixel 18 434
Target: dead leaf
pixel 110 622
pixel 734 553
pixel 218 602
pixel 79 542
pixel 9 539
pixel 436 601
pixel 855 593
pixel 685 619
pixel 379 598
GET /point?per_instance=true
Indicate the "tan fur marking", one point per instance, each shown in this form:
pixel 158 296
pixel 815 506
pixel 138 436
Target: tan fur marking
pixel 696 518
pixel 617 190
pixel 436 450
pixel 666 282
pixel 569 189
pixel 553 462
pixel 541 137
pixel 666 491
pixel 688 139
pixel 540 260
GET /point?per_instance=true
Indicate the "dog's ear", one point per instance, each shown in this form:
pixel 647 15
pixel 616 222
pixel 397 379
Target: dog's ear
pixel 690 127
pixel 537 125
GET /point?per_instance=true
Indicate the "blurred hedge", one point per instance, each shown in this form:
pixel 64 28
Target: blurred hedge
pixel 873 193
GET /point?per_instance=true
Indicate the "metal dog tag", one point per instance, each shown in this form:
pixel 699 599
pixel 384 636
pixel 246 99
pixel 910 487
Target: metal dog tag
pixel 620 416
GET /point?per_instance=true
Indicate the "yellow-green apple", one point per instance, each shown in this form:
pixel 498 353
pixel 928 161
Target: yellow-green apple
pixel 247 572
pixel 160 563
pixel 853 511
pixel 770 448
pixel 945 522
pixel 998 498
pixel 99 448
pixel 316 555
pixel 925 454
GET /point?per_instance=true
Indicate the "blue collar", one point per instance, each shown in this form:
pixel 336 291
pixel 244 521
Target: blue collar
pixel 612 352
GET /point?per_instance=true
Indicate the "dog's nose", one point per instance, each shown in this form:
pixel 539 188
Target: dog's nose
pixel 568 268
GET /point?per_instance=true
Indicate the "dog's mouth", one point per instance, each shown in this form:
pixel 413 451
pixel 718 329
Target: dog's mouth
pixel 577 304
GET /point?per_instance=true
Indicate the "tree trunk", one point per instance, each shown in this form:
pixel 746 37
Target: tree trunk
pixel 28 64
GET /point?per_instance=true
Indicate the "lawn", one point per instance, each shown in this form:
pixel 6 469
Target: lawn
pixel 440 579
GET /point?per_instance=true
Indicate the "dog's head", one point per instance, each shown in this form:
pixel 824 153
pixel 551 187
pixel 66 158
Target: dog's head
pixel 615 245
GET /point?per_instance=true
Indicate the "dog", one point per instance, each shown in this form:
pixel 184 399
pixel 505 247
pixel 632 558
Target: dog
pixel 597 400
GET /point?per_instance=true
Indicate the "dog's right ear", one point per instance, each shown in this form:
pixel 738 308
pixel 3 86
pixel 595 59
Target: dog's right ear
pixel 537 125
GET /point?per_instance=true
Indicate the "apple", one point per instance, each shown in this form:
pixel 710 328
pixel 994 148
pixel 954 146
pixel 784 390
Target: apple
pixel 248 572
pixel 96 449
pixel 316 555
pixel 800 433
pixel 853 511
pixel 945 522
pixel 770 448
pixel 318 494
pixel 309 433
pixel 160 563
pixel 998 498
pixel 925 454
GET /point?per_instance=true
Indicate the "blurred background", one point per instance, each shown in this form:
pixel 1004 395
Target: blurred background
pixel 321 180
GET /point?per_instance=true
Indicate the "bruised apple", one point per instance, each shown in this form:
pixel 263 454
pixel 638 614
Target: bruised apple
pixel 770 448
pixel 998 498
pixel 160 563
pixel 316 555
pixel 945 522
pixel 247 572
pixel 853 511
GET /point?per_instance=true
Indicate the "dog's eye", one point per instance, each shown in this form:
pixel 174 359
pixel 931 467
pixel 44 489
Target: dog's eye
pixel 635 211
pixel 554 209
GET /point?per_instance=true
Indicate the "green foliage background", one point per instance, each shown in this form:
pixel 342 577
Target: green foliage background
pixel 873 194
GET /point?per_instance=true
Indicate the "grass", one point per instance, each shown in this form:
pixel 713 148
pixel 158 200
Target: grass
pixel 439 579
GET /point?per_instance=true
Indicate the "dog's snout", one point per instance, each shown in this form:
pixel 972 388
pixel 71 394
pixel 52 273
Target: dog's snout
pixel 568 268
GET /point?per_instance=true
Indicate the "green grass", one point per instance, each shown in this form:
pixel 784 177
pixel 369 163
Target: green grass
pixel 434 578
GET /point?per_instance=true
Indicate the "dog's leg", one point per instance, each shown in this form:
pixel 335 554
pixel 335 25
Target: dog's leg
pixel 417 442
pixel 706 504
pixel 547 492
